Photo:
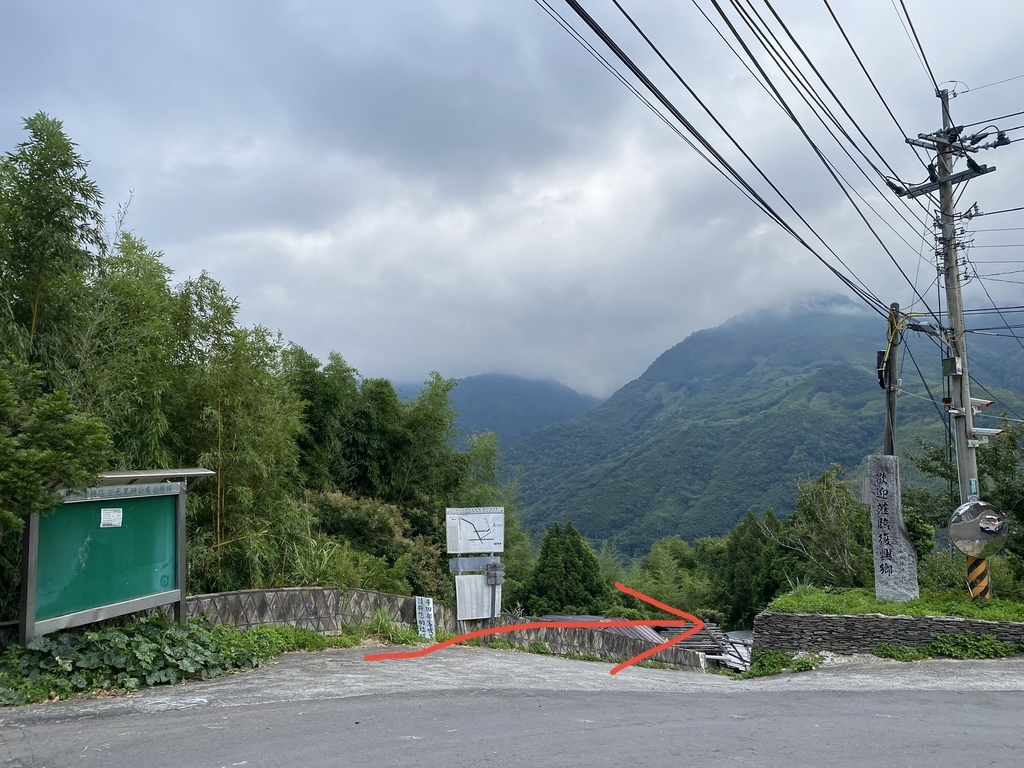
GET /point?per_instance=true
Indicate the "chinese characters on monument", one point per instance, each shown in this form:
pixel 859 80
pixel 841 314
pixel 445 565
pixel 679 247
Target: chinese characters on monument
pixel 895 558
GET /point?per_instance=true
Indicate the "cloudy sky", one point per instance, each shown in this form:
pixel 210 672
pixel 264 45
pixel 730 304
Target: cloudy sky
pixel 457 185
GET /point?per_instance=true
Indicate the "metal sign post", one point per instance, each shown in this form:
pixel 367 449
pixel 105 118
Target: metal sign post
pixel 478 531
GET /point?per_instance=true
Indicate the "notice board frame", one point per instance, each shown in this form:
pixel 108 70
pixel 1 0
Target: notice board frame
pixel 114 487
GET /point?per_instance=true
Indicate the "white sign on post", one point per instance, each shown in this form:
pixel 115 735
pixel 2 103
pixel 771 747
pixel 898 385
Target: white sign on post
pixel 475 530
pixel 425 617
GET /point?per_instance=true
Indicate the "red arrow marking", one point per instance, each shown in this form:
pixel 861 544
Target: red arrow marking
pixel 698 625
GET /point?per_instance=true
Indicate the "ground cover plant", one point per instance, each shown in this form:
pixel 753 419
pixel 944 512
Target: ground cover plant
pixel 151 651
pixel 963 646
pixel 862 601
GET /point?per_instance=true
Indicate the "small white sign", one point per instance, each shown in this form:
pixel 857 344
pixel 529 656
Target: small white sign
pixel 111 518
pixel 425 617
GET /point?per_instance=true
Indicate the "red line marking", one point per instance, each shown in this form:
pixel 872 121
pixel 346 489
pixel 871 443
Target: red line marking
pixel 687 619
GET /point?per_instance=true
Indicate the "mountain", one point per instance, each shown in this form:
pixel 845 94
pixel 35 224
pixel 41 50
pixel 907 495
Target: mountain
pixel 726 420
pixel 514 407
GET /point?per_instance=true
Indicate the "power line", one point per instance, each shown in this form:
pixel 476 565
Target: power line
pixel 993 119
pixel 800 83
pixel 997 82
pixel 789 112
pixel 993 213
pixel 860 290
pixel 867 74
pixel 920 48
pixel 545 5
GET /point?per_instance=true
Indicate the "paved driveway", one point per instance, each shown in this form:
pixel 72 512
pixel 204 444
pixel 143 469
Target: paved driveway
pixel 475 706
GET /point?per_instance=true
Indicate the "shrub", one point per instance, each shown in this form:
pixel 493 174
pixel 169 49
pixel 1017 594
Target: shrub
pixel 805 663
pixel 970 646
pixel 897 652
pixel 144 652
pixel 766 662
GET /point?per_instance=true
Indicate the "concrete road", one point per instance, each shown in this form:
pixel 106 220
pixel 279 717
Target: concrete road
pixel 475 706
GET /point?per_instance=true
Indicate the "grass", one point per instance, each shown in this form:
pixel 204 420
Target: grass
pixel 862 601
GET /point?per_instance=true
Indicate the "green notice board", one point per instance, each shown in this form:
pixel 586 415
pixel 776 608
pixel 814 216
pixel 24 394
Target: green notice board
pixel 105 551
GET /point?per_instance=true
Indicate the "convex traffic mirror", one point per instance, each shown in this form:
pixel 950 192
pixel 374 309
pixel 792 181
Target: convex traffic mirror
pixel 978 529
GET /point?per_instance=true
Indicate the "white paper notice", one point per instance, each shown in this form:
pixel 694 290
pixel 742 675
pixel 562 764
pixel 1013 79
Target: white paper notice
pixel 111 518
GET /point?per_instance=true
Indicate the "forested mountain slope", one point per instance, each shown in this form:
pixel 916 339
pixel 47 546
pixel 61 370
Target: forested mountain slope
pixel 727 419
pixel 513 407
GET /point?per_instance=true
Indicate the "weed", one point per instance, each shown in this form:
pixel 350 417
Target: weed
pixel 805 663
pixel 962 646
pixel 897 652
pixel 144 652
pixel 970 646
pixel 765 662
pixel 538 646
pixel 386 628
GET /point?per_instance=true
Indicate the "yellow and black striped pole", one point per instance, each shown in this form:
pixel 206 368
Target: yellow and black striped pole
pixel 977 578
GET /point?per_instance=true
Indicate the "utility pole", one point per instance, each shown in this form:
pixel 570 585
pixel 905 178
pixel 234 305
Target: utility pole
pixel 956 335
pixel 942 178
pixel 890 380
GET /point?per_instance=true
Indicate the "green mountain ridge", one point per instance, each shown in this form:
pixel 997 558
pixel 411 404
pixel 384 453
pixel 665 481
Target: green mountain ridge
pixel 513 407
pixel 724 422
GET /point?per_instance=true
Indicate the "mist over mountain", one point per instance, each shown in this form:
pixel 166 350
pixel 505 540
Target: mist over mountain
pixel 514 407
pixel 726 420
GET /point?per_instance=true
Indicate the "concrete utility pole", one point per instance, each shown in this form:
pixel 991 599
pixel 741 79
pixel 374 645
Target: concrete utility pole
pixel 955 366
pixel 890 380
pixel 956 335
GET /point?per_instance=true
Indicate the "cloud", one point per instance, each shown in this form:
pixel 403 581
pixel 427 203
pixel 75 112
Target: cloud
pixel 458 186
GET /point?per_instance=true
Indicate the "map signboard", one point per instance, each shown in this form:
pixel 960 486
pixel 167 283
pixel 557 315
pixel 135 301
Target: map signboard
pixel 475 530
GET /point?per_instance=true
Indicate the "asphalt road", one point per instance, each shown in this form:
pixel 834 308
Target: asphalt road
pixel 475 706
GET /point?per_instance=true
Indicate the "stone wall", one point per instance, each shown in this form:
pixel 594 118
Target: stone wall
pixel 608 646
pixel 791 632
pixel 324 609
pixel 316 608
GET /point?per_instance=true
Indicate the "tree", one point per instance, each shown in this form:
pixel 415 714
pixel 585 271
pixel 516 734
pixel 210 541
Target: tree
pixel 829 532
pixel 753 569
pixel 567 577
pixel 1000 478
pixel 231 411
pixel 119 367
pixel 50 235
pixel 46 446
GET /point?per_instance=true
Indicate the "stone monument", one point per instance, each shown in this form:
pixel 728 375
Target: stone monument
pixel 895 557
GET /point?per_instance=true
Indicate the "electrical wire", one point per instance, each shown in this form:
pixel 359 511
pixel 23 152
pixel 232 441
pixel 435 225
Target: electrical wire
pixel 545 5
pixel 871 80
pixel 993 213
pixel 909 38
pixel 920 48
pixel 801 84
pixel 998 82
pixel 993 119
pixel 789 112
pixel 860 290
